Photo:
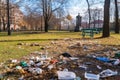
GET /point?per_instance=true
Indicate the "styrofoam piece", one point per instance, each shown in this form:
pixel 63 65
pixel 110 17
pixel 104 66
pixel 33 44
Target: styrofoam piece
pixel 66 75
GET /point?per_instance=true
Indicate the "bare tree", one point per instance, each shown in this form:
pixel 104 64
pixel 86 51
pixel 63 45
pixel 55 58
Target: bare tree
pixel 48 8
pixel 33 21
pixel 91 3
pixel 60 16
pixel 45 7
pixel 96 16
pixel 106 31
pixel 2 15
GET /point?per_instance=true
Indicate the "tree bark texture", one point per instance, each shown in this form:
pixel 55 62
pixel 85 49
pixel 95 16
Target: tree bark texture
pixel 106 31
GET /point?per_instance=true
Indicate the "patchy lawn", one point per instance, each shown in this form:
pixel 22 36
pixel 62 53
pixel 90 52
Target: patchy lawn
pixel 9 48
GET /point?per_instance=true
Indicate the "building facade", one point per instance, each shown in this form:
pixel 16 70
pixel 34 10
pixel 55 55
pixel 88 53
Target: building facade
pixel 16 16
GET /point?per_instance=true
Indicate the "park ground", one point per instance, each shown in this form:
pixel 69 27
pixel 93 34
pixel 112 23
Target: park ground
pixel 22 46
pixel 9 48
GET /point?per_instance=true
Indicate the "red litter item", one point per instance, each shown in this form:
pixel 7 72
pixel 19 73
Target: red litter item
pixel 53 61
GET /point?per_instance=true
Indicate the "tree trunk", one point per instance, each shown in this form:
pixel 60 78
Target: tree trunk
pixel 8 16
pixel 0 27
pixel 41 22
pixel 60 26
pixel 94 21
pixel 89 12
pixel 116 18
pixel 106 31
pixel 46 25
pixel 3 23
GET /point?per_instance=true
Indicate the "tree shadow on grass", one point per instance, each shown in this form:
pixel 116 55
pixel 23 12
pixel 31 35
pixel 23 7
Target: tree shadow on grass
pixel 21 33
pixel 2 34
pixel 29 40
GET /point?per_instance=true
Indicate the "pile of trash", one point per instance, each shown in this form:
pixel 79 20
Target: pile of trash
pixel 39 66
pixel 96 62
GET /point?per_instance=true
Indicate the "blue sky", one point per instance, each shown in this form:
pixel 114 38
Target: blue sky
pixel 80 6
pixel 75 6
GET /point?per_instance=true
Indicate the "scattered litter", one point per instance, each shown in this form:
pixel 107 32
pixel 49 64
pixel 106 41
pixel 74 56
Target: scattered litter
pixel 77 57
pixel 107 73
pixel 91 55
pixel 91 76
pixel 66 55
pixel 53 61
pixel 37 58
pixel 83 67
pixel 115 49
pixel 117 54
pixel 75 45
pixel 50 67
pixel 14 61
pixel 21 78
pixel 32 58
pixel 65 69
pixel 74 58
pixel 18 67
pixel 85 48
pixel 63 75
pixel 103 59
pixel 38 71
pixel 99 67
pixel 117 62
pixel 23 64
pixel 77 78
pixel 88 63
pixel 31 62
pixel 35 70
pixel 39 64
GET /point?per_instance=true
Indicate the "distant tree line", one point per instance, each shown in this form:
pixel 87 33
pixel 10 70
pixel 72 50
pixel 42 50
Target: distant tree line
pixel 45 12
pixel 106 27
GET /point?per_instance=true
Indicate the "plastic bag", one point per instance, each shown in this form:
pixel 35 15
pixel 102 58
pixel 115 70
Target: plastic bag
pixel 107 73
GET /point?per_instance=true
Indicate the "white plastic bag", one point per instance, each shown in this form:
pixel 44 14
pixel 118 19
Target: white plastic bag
pixel 107 73
pixel 117 62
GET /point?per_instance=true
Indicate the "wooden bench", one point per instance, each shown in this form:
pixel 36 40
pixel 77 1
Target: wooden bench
pixel 90 32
